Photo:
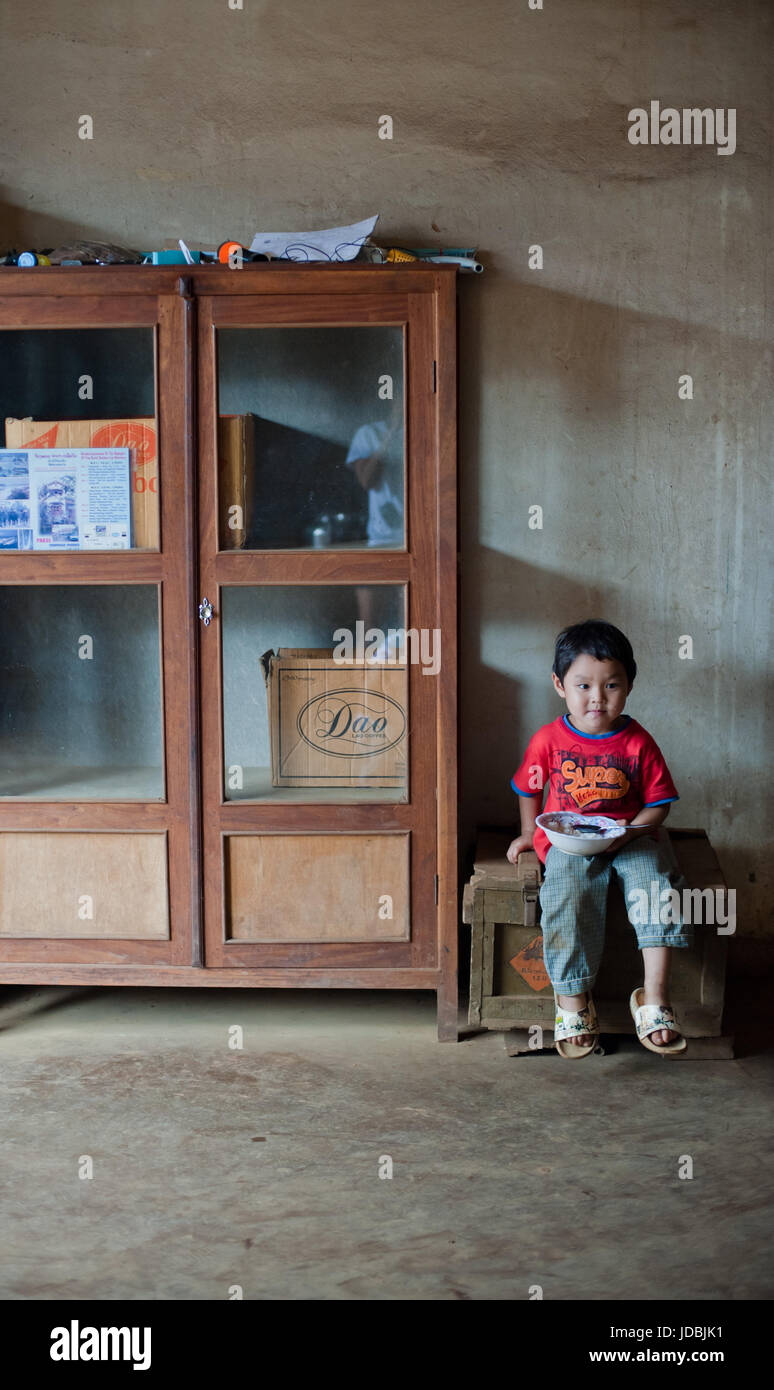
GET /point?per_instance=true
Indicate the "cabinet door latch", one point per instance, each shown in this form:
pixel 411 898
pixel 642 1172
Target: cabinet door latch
pixel 205 611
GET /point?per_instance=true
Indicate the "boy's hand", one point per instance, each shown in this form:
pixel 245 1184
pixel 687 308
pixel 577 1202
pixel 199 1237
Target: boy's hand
pixel 517 847
pixel 633 834
pixel 619 841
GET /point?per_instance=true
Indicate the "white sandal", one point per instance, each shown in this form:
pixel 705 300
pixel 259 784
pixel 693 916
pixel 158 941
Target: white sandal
pixel 648 1018
pixel 572 1025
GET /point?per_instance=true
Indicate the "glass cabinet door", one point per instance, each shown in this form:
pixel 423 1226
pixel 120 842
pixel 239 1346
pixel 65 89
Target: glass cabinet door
pixel 68 390
pixel 80 693
pixel 97 627
pixel 317 517
pixel 315 695
pixel 311 438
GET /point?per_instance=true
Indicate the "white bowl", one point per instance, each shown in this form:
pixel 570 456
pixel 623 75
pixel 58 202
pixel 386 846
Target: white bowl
pixel 585 843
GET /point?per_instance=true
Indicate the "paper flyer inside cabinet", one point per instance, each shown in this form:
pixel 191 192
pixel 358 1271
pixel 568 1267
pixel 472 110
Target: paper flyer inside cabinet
pixel 65 499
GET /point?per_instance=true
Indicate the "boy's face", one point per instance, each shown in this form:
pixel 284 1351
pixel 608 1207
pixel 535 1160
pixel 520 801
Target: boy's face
pixel 595 692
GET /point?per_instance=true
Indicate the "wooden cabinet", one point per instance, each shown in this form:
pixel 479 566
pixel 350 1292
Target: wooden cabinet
pixel 177 805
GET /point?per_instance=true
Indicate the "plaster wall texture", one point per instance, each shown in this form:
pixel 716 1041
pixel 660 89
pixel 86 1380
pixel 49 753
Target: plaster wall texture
pixel 509 131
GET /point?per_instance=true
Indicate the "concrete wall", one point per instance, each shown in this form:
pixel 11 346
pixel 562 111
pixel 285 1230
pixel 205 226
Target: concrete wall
pixel 510 130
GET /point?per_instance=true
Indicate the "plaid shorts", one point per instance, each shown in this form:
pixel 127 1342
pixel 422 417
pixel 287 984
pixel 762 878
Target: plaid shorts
pixel 573 903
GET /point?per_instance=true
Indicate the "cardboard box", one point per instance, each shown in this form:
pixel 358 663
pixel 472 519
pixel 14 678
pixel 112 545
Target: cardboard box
pixel 335 724
pixel 138 435
pixel 236 478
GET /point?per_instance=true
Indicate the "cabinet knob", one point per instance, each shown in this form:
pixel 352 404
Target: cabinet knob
pixel 205 611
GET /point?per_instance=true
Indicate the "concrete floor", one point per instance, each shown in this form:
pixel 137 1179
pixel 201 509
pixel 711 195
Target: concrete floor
pixel 215 1167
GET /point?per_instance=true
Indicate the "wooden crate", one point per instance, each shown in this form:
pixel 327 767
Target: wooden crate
pixel 509 985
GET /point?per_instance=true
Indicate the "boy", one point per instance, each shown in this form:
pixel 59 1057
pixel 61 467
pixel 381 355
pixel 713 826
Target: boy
pixel 596 759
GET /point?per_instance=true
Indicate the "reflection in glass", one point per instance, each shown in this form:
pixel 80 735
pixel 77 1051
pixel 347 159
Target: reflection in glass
pixel 311 438
pixel 80 693
pixel 301 722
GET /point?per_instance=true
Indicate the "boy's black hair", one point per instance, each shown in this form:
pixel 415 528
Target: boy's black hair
pixel 594 638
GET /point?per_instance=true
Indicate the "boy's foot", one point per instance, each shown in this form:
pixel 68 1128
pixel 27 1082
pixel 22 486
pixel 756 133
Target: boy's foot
pixel 658 996
pixel 576 1002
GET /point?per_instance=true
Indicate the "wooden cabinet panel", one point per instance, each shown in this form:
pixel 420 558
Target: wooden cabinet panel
pixel 317 887
pixel 88 885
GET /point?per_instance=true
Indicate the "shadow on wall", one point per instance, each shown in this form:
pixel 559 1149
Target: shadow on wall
pixel 490 756
pixel 566 353
pixel 33 229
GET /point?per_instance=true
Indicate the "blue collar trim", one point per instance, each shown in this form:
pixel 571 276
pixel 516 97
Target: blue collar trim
pixel 612 734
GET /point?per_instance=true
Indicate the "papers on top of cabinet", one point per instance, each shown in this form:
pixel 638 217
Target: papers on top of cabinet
pixel 65 499
pixel 333 244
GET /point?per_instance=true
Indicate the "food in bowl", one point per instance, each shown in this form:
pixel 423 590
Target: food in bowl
pixel 572 827
pixel 576 834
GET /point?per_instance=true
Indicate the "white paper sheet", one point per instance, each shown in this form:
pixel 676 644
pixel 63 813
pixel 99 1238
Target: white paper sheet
pixel 333 244
pixel 79 499
pixel 15 527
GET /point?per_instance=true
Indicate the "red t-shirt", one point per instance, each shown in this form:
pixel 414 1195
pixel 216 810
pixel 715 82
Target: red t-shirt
pixel 614 774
